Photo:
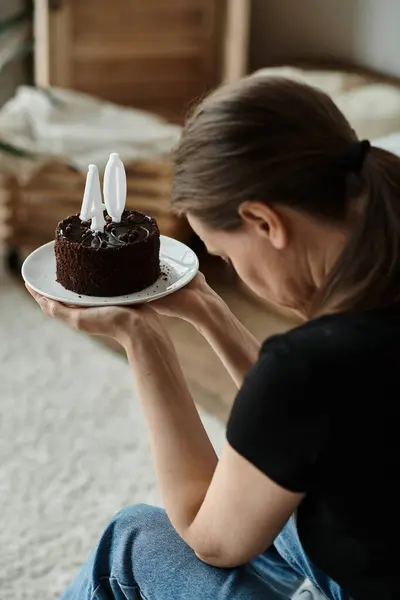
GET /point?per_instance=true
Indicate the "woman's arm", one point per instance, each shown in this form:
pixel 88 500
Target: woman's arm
pixel 184 457
pixel 227 511
pixel 198 304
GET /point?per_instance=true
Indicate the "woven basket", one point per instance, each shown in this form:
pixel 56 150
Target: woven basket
pixel 32 211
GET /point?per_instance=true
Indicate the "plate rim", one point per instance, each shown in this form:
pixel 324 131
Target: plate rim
pixel 112 300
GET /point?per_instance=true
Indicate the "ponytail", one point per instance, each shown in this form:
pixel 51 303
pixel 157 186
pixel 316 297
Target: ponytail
pixel 367 274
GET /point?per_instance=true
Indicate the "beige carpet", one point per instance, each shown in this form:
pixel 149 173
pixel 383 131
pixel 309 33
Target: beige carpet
pixel 73 448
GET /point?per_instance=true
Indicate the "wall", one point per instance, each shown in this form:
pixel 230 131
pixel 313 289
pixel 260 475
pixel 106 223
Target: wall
pixel 8 8
pixel 17 71
pixel 365 32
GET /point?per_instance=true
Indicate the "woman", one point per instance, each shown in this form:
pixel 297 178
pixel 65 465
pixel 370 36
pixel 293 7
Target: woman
pixel 272 178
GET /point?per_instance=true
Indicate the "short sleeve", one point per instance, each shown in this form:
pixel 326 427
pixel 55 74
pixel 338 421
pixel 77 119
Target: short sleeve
pixel 278 421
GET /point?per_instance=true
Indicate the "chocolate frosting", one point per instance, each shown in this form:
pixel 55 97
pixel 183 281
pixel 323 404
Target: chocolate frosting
pixel 134 227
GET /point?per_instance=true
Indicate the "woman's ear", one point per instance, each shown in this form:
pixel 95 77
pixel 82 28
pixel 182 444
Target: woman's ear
pixel 265 221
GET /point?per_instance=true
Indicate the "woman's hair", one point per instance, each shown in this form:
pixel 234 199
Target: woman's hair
pixel 281 142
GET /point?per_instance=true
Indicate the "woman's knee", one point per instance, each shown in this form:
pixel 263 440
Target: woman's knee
pixel 133 535
pixel 141 522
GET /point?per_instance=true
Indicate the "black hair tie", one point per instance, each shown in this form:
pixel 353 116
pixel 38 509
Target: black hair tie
pixel 355 156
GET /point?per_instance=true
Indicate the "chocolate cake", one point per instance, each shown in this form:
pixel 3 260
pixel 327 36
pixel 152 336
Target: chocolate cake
pixel 122 260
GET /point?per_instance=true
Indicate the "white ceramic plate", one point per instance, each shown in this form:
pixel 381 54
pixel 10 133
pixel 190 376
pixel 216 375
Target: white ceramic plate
pixel 179 264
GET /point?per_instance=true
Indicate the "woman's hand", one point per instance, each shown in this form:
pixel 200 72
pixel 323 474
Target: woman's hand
pixel 189 302
pixel 117 322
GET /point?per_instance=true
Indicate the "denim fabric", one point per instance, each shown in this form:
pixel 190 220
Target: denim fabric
pixel 140 556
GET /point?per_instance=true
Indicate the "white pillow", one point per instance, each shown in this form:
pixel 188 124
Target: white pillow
pixel 372 108
pixel 389 142
pixel 331 82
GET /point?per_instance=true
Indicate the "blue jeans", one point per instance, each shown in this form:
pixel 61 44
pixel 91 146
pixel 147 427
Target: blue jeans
pixel 140 556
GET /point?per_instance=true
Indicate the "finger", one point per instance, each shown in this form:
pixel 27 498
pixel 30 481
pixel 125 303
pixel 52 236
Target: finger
pixel 50 307
pixel 54 309
pixel 44 303
pixel 32 292
pixel 60 311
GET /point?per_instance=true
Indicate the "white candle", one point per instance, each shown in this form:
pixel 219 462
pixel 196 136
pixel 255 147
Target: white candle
pixel 92 205
pixel 114 187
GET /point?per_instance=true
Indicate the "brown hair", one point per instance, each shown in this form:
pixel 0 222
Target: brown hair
pixel 278 141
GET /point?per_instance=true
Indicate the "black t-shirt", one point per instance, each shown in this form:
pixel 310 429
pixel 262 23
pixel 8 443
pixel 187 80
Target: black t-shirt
pixel 318 413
